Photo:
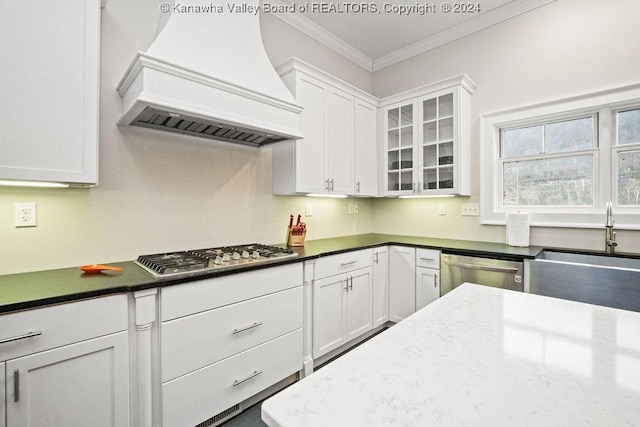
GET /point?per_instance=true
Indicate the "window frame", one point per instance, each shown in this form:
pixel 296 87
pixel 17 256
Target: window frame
pixel 603 106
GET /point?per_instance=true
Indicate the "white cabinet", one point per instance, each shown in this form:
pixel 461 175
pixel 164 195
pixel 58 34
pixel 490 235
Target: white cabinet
pixel 341 309
pixel 365 158
pixel 426 134
pixel 226 339
pixel 2 396
pixel 402 282
pixel 427 276
pixel 49 83
pixel 340 141
pixel 67 364
pixel 80 384
pixel 380 286
pixel 337 155
pixel 342 301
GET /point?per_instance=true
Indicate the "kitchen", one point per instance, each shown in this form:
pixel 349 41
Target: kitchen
pixel 161 192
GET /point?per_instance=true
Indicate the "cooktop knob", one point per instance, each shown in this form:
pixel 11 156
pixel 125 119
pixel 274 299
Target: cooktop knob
pixel 218 260
pixel 236 255
pixel 245 254
pixel 255 255
pixel 226 257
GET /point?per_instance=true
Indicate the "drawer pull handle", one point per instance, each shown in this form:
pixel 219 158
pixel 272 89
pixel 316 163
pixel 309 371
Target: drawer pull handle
pixel 21 337
pixel 427 259
pixel 16 385
pixel 255 325
pixel 344 264
pixel 255 374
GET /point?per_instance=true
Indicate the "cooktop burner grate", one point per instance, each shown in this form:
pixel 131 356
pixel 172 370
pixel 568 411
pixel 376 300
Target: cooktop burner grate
pixel 199 261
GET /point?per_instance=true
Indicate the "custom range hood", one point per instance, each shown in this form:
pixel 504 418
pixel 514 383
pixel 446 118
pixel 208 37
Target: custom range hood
pixel 207 74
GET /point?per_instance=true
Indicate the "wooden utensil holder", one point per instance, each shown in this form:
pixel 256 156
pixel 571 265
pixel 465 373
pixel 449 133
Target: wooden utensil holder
pixel 295 239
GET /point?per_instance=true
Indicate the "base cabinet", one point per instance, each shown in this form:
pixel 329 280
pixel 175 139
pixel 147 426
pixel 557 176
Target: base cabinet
pixel 427 286
pixel 2 397
pixel 342 309
pixel 427 276
pixel 380 286
pixel 226 339
pixel 66 365
pixel 83 384
pixel 402 282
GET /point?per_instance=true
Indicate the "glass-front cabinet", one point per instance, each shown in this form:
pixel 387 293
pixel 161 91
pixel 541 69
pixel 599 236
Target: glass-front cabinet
pixel 400 147
pixel 426 135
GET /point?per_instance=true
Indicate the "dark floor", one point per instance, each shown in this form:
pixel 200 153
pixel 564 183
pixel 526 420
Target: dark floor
pixel 249 418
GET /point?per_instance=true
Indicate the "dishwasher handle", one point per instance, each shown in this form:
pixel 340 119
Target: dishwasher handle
pixel 470 266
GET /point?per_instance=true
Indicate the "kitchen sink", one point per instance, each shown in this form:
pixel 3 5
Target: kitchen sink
pixel 611 281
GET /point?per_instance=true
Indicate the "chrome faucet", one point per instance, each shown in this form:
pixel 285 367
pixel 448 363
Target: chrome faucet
pixel 610 235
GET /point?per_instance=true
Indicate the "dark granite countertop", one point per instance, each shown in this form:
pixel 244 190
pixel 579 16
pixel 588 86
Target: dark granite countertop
pixel 31 290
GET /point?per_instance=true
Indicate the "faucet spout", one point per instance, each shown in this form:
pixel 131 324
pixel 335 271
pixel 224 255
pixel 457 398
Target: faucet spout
pixel 609 222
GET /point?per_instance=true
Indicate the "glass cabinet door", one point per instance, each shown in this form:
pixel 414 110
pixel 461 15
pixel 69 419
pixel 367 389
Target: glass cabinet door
pixel 400 148
pixel 437 143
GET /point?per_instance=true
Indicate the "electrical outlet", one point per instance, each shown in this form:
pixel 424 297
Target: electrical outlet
pixel 25 215
pixel 469 209
pixel 308 209
pixel 442 209
pixel 355 208
pixel 350 208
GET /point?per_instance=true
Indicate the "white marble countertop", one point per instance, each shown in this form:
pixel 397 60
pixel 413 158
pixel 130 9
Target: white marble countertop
pixel 480 356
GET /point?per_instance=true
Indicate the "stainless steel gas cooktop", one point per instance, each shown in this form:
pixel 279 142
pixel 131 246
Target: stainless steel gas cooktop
pixel 199 261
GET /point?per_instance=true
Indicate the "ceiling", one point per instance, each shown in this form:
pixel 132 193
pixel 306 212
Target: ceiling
pixel 379 39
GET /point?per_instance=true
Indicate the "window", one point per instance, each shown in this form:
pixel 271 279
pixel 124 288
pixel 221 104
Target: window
pixel 549 164
pixel 628 157
pixel 562 161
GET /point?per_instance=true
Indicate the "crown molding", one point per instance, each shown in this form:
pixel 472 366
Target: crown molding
pixel 463 29
pixel 315 31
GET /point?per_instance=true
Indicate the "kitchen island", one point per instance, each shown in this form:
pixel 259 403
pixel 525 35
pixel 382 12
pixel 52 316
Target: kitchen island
pixel 480 356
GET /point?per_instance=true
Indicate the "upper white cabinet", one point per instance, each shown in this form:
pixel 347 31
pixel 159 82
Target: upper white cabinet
pixel 426 133
pixel 337 155
pixel 49 83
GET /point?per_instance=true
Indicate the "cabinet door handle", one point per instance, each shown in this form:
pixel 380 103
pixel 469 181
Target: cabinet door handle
pixel 344 264
pixel 255 325
pixel 358 187
pixel 331 184
pixel 326 184
pixel 351 280
pixel 415 187
pixel 21 337
pixel 255 374
pixel 435 280
pixel 16 385
pixel 376 258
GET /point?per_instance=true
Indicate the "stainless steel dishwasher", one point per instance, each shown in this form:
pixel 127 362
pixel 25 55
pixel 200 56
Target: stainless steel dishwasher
pixel 458 269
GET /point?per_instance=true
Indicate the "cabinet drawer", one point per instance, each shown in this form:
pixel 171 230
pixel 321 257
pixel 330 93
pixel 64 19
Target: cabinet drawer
pixel 200 395
pixel 190 298
pixel 189 343
pixel 429 258
pixel 61 325
pixel 342 263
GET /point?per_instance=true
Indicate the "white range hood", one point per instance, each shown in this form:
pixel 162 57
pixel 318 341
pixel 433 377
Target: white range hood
pixel 207 75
